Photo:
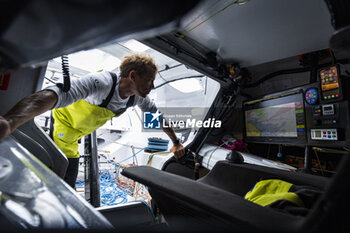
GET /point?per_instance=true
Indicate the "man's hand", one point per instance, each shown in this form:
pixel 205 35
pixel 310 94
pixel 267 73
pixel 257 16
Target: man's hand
pixel 5 128
pixel 178 150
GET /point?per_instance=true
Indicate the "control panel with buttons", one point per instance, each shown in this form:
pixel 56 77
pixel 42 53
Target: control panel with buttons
pixel 324 134
pixel 327 109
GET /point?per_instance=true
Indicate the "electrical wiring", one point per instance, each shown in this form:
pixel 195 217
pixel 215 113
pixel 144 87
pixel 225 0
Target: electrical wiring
pixel 149 206
pixel 319 162
pixel 144 195
pixel 110 193
pixel 277 73
pixel 292 71
pixel 116 189
pixel 139 186
pixel 150 157
pixel 113 189
pixel 122 181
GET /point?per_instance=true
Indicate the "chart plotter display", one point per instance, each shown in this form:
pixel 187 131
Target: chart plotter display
pixel 275 119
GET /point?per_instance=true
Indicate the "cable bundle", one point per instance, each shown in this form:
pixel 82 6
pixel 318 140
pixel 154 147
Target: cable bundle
pixel 116 189
pixel 123 182
pixel 111 194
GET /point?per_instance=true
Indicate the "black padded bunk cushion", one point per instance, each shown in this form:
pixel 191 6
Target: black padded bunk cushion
pixel 185 202
pixel 214 201
pixel 240 178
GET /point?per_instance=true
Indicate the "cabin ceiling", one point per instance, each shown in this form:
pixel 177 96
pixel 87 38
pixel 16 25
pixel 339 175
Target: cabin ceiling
pixel 256 32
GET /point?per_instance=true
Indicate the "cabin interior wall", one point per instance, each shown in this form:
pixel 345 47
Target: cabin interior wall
pixel 324 164
pixel 22 82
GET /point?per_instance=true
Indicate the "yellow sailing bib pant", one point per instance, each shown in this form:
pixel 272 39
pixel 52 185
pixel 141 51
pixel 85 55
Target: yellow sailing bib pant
pixel 73 122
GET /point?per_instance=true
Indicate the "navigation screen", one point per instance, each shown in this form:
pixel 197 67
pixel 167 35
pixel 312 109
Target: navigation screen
pixel 275 121
pixel 276 118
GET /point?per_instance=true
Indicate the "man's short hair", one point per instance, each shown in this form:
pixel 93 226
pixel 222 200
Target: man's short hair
pixel 140 62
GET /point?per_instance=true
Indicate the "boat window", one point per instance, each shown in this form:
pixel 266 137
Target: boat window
pixel 180 91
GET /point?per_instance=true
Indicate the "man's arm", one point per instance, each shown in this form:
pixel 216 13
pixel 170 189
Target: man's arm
pixel 147 105
pixel 26 109
pixel 178 148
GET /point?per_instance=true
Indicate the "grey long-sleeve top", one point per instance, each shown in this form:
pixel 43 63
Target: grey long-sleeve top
pixel 94 88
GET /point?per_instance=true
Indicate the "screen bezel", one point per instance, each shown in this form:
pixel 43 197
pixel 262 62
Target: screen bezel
pixel 273 100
